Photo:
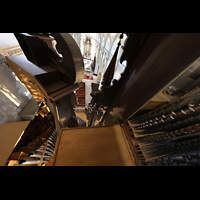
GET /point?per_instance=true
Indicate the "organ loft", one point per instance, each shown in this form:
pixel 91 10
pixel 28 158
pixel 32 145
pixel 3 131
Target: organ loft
pixel 147 116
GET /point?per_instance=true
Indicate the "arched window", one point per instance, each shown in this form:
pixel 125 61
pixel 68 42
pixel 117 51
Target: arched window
pixel 108 44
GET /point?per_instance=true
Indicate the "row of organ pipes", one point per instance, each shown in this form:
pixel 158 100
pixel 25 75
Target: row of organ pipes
pixel 52 80
pixel 37 144
pixel 167 135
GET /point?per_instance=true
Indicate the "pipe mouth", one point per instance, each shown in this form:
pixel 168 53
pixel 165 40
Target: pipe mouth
pixel 30 154
pixel 22 161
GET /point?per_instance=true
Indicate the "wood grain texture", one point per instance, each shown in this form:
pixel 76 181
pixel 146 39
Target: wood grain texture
pixel 93 146
pixel 10 133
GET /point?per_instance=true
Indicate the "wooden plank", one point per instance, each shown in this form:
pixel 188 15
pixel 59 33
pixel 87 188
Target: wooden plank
pixel 93 146
pixel 132 146
pixel 152 105
pixel 55 86
pixel 19 65
pixel 26 65
pixel 64 91
pixel 10 134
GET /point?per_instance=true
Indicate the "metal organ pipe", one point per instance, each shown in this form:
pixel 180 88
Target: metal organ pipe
pixel 170 134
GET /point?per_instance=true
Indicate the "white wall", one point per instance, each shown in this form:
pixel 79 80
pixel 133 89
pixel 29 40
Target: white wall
pixel 7 39
pixel 13 94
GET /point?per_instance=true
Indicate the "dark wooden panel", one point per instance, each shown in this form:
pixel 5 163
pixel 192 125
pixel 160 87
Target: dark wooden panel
pixel 161 59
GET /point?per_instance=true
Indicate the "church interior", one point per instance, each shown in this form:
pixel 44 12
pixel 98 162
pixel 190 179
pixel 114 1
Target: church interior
pixel 99 99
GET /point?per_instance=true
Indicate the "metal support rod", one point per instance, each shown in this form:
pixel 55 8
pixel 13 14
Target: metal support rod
pixel 41 159
pixel 56 116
